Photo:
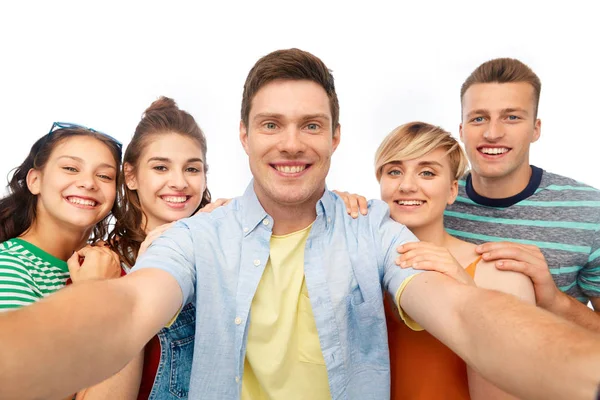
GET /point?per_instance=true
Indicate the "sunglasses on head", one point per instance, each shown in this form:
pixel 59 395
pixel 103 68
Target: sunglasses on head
pixel 68 125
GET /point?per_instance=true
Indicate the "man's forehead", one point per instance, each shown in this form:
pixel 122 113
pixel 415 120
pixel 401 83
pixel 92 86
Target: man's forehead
pixel 498 95
pixel 289 98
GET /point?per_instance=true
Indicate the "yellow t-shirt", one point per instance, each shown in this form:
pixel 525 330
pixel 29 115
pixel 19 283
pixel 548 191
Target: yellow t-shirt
pixel 283 354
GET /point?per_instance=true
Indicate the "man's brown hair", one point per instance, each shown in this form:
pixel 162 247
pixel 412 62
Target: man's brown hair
pixel 290 64
pixel 504 70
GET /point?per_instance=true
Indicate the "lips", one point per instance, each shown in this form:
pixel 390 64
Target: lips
pixel 493 150
pixel 290 169
pixel 82 202
pixel 176 201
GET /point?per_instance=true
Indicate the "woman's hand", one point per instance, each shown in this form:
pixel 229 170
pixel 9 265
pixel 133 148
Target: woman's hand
pixel 429 257
pixel 354 203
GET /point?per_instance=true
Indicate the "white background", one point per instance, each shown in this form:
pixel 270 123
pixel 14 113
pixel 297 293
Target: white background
pixel 101 64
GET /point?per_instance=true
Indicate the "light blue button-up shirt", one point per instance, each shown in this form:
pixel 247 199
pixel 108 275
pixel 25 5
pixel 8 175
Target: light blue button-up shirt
pixel 218 260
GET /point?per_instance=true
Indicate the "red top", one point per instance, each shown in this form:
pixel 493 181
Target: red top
pixel 422 367
pixel 151 361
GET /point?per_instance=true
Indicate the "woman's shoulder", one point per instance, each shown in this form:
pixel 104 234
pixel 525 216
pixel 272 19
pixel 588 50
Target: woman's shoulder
pixel 487 276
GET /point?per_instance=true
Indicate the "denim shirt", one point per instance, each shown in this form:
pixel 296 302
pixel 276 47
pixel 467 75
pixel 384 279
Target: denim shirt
pixel 218 260
pixel 172 381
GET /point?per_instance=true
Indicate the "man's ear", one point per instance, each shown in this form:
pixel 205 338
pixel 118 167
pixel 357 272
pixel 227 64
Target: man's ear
pixel 537 130
pixel 244 136
pixel 130 179
pixel 460 133
pixel 34 181
pixel 336 137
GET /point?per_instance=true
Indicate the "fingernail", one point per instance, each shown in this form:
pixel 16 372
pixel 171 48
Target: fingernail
pixel 354 214
pixel 403 264
pixel 499 263
pixel 478 248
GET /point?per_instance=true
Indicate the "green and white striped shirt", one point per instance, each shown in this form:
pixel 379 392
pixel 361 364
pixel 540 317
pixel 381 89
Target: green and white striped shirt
pixel 558 214
pixel 27 274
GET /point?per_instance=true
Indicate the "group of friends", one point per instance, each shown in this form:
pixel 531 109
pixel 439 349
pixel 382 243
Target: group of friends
pixel 122 280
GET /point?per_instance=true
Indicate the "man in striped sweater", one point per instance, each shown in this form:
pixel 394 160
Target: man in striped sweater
pixel 547 223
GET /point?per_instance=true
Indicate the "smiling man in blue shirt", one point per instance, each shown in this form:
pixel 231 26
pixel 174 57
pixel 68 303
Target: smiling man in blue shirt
pixel 286 283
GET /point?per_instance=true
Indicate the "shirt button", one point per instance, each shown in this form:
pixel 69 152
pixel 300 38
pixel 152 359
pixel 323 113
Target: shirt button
pixel 256 263
pixel 245 230
pixel 265 221
pixel 329 220
pixel 238 320
pixel 237 379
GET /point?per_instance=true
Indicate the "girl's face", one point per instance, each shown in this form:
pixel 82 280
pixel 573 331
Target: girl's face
pixel 76 188
pixel 418 190
pixel 169 179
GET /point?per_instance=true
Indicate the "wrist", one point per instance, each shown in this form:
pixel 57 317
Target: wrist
pixel 561 305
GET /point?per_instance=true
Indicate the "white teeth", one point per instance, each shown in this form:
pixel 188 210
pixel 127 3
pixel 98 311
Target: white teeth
pixel 286 169
pixel 84 202
pixel 175 199
pixel 410 202
pixel 494 150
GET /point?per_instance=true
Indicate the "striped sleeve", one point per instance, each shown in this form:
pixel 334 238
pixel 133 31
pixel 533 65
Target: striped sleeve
pixel 589 277
pixel 17 288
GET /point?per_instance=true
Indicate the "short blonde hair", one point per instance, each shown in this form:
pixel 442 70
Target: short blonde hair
pixel 416 139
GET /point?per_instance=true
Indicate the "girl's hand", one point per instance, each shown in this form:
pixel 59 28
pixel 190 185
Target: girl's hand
pixel 94 262
pixel 152 235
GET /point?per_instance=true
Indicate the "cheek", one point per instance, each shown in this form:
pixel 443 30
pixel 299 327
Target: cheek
pixel 387 188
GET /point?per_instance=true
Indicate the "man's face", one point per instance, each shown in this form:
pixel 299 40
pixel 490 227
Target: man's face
pixel 289 142
pixel 498 126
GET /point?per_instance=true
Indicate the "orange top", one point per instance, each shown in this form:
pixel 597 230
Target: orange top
pixel 422 367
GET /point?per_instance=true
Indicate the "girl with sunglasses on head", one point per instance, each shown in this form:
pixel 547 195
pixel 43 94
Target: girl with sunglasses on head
pixel 59 200
pixel 164 171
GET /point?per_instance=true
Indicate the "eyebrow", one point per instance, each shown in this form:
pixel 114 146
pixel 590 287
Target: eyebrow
pixel 80 160
pixel 421 163
pixel 509 110
pixel 281 116
pixel 514 109
pixel 168 160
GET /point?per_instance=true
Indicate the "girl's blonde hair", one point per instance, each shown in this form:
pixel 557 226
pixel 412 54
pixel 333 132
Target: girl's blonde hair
pixel 416 139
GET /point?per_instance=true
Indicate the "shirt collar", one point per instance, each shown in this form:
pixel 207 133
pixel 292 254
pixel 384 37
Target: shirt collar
pixel 253 212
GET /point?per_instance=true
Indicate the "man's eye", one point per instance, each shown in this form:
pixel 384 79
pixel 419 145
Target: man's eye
pixel 394 172
pixel 270 125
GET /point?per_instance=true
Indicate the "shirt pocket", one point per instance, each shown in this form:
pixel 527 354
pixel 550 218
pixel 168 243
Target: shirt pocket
pixel 309 347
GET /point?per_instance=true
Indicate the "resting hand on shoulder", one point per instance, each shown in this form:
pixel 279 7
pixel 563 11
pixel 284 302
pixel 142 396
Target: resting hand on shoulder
pixel 152 235
pixel 354 203
pixel 429 257
pixel 527 260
